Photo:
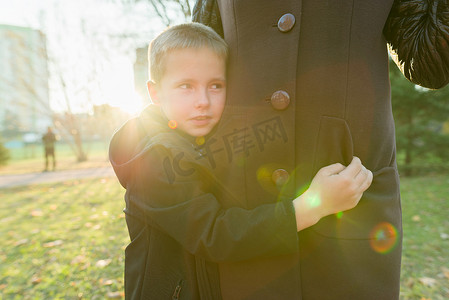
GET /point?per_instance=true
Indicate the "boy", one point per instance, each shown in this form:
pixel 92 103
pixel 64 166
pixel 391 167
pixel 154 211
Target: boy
pixel 179 230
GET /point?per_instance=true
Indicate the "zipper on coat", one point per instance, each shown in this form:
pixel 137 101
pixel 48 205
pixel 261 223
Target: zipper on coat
pixel 177 291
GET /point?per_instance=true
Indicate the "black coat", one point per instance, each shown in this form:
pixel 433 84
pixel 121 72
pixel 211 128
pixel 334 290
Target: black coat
pixel 306 90
pixel 178 229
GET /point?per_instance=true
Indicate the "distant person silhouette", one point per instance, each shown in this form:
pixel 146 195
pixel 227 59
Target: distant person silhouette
pixel 49 146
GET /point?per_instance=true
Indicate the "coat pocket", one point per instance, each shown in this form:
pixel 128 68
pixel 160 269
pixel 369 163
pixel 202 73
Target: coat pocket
pixel 334 143
pixel 379 208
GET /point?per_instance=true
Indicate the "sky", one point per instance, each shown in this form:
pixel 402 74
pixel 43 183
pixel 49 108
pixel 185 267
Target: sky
pixel 86 37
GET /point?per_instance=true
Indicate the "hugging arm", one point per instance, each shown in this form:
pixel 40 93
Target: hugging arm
pixel 175 204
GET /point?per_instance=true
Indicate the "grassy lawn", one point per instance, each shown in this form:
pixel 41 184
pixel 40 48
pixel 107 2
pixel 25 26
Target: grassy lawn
pixel 31 159
pixel 62 241
pixel 67 240
pixel 425 261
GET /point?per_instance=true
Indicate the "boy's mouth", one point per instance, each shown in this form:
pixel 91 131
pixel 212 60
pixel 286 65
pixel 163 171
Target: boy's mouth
pixel 201 120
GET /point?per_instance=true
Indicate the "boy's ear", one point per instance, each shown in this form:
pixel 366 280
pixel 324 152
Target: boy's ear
pixel 152 91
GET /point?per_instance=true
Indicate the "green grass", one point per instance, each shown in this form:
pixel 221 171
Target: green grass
pixel 425 261
pixel 63 241
pixel 67 240
pixel 63 149
pixel 31 159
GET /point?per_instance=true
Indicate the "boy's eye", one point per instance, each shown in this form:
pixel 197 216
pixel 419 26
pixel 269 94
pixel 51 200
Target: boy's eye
pixel 185 86
pixel 217 86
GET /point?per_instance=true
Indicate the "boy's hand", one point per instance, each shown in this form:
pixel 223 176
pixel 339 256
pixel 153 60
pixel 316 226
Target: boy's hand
pixel 334 188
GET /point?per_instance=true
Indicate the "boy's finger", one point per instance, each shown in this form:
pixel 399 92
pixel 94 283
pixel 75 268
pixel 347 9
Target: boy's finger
pixel 333 169
pixel 360 178
pixel 353 168
pixel 368 181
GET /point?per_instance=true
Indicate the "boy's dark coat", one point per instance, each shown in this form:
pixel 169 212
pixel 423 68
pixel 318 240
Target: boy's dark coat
pixel 178 228
pixel 298 100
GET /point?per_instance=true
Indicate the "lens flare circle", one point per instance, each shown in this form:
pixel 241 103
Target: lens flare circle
pixel 384 237
pixel 200 140
pixel 172 124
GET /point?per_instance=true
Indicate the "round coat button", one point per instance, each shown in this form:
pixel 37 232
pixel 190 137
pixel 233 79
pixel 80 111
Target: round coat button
pixel 286 22
pixel 280 177
pixel 280 100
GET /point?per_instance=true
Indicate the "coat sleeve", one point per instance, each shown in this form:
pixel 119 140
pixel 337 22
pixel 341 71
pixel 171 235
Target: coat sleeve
pixel 169 195
pixel 207 12
pixel 418 34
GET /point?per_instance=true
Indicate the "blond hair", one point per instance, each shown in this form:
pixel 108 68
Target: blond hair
pixel 182 36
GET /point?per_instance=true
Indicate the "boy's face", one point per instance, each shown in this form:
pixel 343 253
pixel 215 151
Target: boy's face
pixel 192 91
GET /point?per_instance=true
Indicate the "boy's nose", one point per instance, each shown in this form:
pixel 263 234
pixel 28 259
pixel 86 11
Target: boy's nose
pixel 203 99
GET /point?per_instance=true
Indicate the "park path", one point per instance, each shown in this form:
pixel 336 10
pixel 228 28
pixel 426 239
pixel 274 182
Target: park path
pixel 15 180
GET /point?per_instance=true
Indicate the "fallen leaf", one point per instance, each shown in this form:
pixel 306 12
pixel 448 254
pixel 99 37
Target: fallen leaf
pixel 103 263
pixel 7 219
pixel 21 242
pixel 115 295
pixel 52 244
pixel 78 259
pixel 2 286
pixel 85 266
pixel 37 213
pixel 88 224
pixel 428 281
pixel 416 218
pixel 106 282
pixel 35 279
pixel 444 236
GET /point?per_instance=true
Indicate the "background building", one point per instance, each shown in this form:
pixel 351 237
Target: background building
pixel 24 95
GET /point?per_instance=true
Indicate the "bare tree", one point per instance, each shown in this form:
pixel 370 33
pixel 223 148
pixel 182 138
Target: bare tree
pixel 67 66
pixel 168 11
pixel 76 57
